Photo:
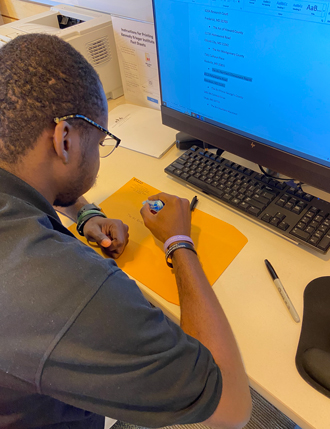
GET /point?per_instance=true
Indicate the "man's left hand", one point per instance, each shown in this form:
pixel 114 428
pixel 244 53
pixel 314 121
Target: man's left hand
pixel 111 234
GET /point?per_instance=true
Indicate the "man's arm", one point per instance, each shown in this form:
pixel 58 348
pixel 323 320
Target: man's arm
pixel 111 234
pixel 72 211
pixel 203 318
pixel 201 314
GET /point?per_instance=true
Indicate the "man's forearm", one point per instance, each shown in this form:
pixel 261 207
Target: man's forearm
pixel 72 211
pixel 203 318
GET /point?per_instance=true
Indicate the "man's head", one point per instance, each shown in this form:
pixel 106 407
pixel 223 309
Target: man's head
pixel 41 78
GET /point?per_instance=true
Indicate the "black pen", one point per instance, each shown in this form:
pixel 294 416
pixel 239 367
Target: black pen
pixel 282 291
pixel 193 203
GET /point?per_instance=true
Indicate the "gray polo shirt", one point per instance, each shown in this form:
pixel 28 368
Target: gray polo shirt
pixel 78 340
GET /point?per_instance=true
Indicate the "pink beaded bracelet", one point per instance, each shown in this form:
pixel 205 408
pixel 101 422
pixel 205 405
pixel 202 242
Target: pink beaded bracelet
pixel 175 238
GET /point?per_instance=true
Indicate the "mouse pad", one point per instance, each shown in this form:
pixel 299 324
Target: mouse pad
pixel 313 353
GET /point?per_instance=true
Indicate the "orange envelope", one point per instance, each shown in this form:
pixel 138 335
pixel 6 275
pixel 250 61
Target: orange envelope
pixel 217 243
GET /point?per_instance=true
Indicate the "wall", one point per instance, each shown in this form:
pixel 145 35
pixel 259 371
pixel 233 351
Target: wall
pixel 136 9
pixel 12 10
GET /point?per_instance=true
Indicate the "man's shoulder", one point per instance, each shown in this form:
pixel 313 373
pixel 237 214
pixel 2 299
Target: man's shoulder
pixel 47 277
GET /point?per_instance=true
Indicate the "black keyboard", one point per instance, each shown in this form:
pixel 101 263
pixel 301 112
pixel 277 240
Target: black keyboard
pixel 288 210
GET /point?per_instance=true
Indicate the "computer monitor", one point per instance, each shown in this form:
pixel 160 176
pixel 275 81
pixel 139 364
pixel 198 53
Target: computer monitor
pixel 251 77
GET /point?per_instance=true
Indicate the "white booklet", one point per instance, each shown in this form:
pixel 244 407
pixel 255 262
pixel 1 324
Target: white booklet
pixel 141 129
pixel 137 56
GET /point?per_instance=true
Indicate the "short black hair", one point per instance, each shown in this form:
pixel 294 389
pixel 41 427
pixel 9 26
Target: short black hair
pixel 42 77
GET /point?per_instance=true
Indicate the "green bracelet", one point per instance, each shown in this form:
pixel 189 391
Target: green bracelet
pixel 88 212
pixel 84 217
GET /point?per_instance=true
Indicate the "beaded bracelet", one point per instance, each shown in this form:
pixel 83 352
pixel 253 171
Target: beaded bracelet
pixel 176 247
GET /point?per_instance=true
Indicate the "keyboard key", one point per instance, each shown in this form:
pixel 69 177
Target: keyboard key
pixel 280 216
pixel 309 229
pixel 323 228
pixel 253 210
pixel 261 199
pixel 300 234
pixel 177 165
pixel 244 205
pixel 294 201
pixel 281 186
pixel 319 234
pixel 309 214
pixel 308 197
pixel 297 209
pixel 227 197
pixel 324 243
pixel 326 223
pixel 274 221
pixel 288 206
pixel 273 191
pixel 248 172
pixel 272 182
pixel 205 187
pixel 266 217
pixel 281 202
pixel 300 193
pixel 254 203
pixel 314 240
pixel 314 224
pixel 283 226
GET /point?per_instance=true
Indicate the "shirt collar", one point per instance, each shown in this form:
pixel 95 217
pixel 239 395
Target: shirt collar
pixel 14 186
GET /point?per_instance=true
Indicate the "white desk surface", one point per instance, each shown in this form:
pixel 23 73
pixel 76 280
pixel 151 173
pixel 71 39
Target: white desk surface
pixel 265 331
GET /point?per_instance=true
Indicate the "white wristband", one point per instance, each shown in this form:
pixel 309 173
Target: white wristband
pixel 176 238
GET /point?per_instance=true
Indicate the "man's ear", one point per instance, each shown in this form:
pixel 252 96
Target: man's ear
pixel 63 141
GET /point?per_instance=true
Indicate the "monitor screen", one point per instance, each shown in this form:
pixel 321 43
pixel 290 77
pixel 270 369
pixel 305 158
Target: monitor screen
pixel 250 77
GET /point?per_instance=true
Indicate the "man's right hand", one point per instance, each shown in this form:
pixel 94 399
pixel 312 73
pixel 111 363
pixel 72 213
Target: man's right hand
pixel 173 219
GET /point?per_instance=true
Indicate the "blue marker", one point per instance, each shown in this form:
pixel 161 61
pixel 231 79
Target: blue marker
pixel 154 205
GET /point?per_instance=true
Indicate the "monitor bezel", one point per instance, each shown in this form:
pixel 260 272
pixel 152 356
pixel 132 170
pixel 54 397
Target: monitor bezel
pixel 289 165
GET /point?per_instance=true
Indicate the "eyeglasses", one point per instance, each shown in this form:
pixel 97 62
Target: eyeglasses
pixel 108 145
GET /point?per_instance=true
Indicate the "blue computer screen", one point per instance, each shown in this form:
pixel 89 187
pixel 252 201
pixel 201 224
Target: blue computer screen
pixel 260 68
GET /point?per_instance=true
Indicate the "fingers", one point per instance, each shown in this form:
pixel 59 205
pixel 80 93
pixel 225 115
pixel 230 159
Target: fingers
pixel 111 234
pixel 173 219
pixel 93 232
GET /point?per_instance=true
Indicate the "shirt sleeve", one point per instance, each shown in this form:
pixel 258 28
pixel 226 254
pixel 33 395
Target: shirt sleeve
pixel 125 359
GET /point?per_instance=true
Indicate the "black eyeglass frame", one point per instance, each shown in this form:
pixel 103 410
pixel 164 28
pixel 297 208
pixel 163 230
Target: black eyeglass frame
pixel 90 121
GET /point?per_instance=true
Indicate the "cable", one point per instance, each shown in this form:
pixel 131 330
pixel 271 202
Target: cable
pixel 298 184
pixel 269 175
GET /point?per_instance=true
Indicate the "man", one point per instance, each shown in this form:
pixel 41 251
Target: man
pixel 78 341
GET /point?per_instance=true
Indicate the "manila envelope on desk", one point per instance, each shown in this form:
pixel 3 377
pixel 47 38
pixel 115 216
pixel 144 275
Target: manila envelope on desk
pixel 217 243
